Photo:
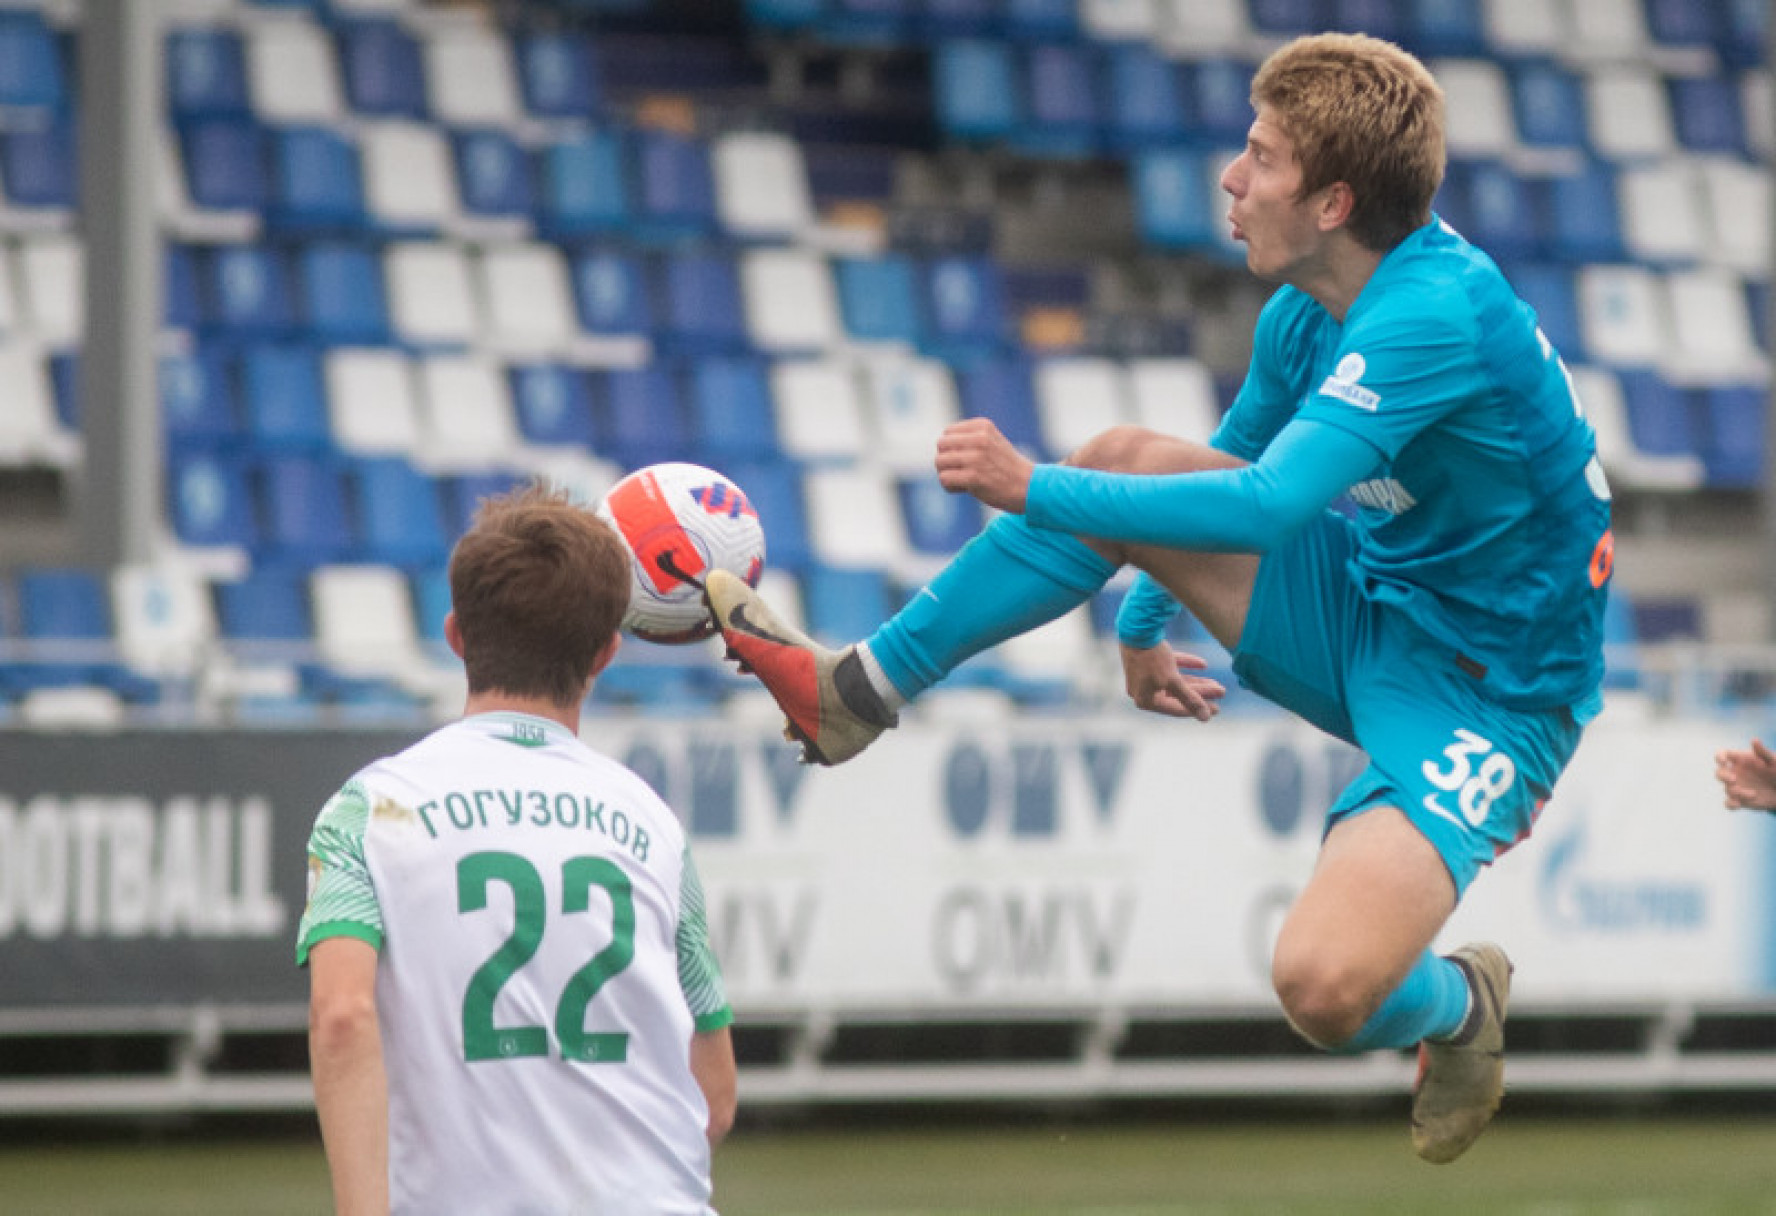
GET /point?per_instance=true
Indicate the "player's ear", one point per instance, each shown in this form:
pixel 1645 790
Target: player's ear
pixel 453 634
pixel 1336 204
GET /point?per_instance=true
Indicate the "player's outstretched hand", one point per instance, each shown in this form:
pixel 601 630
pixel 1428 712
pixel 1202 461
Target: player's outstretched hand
pixel 974 458
pixel 1749 777
pixel 1159 679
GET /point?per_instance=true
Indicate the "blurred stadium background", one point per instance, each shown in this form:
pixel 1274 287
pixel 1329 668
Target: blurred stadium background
pixel 287 285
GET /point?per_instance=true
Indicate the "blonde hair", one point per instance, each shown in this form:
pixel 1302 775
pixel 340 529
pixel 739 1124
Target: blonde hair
pixel 539 585
pixel 1364 112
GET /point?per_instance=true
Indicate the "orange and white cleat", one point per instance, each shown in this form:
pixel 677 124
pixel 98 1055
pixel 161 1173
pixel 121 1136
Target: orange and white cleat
pixel 825 695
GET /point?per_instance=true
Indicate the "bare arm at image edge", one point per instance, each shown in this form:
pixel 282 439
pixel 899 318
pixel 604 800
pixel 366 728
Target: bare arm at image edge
pixel 351 1089
pixel 712 1064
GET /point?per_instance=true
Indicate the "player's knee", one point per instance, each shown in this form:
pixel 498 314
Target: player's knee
pixel 1116 450
pixel 1326 1001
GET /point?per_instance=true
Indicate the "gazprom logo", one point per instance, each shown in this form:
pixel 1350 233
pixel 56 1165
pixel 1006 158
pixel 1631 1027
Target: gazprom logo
pixel 1343 384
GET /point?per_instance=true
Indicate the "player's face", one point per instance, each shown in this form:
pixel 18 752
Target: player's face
pixel 1280 229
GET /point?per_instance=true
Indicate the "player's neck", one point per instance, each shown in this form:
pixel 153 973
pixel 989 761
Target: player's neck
pixel 535 707
pixel 1338 278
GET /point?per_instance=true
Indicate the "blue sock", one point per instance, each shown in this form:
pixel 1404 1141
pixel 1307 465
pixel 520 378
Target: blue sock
pixel 1006 581
pixel 1429 1003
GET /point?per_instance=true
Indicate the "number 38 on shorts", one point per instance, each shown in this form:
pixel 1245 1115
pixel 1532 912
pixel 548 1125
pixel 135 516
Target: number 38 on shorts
pixel 1474 772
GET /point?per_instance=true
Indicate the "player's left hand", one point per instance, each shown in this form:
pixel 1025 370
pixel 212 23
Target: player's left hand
pixel 1749 777
pixel 974 458
pixel 1160 679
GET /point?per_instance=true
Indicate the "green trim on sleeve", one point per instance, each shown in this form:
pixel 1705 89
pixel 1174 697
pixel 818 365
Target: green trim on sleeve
pixel 336 928
pixel 715 1021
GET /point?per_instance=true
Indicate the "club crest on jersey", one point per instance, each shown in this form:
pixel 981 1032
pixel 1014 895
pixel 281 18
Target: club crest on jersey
pixel 723 498
pixel 1342 384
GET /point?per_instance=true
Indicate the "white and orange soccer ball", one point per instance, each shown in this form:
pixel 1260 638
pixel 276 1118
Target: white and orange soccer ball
pixel 680 521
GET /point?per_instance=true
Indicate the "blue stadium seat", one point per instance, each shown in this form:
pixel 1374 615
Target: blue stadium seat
pixel 1172 196
pixel 878 298
pixel 701 309
pixel 493 175
pixel 197 401
pixel 964 306
pixel 1706 112
pixel 64 379
pixel 1003 391
pixel 343 292
pixel 1146 101
pixel 644 416
pixel 584 188
pixel 1493 207
pixel 842 605
pixel 1744 33
pixel 558 75
pixel 1621 642
pixel 283 401
pixel 977 89
pixel 786 14
pixel 732 414
pixel 181 306
pixel 774 487
pixel 431 602
pixel 33 77
pixel 1220 92
pixel 226 164
pixel 611 293
pixel 1378 18
pixel 247 292
pixel 463 495
pixel 674 193
pixel 1549 105
pixel 1040 19
pixel 1286 18
pixel 1584 215
pixel 553 405
pixel 211 501
pixel 383 70
pixel 1549 289
pixel 960 19
pixel 937 522
pixel 39 165
pixel 206 74
pixel 1687 23
pixel 1734 451
pixel 270 604
pixel 306 520
pixel 67 605
pixel 318 180
pixel 400 517
pixel 1660 417
pixel 1447 27
pixel 1062 111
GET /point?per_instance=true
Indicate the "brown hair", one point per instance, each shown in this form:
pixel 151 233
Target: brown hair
pixel 1364 112
pixel 539 585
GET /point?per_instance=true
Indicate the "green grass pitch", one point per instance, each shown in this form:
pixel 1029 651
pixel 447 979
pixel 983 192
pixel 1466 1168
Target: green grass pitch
pixel 1720 1166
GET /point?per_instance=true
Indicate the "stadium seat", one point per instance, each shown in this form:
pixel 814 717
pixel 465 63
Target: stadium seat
pixel 963 303
pixel 701 310
pixel 761 186
pixel 226 164
pixel 910 402
pixel 1493 207
pixel 469 422
pixel 247 292
pixel 471 77
pixel 343 293
pixel 266 605
pixel 1447 27
pixel 1202 27
pixel 372 401
pixel 317 181
pixel 1662 219
pixel 180 305
pixel 732 414
pixel 1119 20
pixel 33 79
pixel 790 301
pixel 431 299
pixel 164 618
pixel 1629 113
pixel 1660 416
pixel 30 431
pixel 938 523
pixel 527 297
pixel 197 399
pixel 1062 107
pixel 611 292
pixel 854 519
pixel 774 487
pixel 583 186
pixel 494 177
pixel 820 410
pixel 1003 391
pixel 1614 32
pixel 1377 18
pixel 1549 289
pixel 1479 101
pixel 1038 19
pixel 39 166
pixel 552 405
pixel 65 616
pixel 409 176
pixel 1175 199
pixel 463 495
pixel 1145 99
pixel 878 299
pixel 1732 190
pixel 1628 466
pixel 1712 328
pixel 1584 215
pixel 1220 92
pixel 1737 435
pixel 1706 111
pixel 383 71
pixel 645 420
pixel 1174 397
pixel 1549 105
pixel 1624 314
pixel 1078 399
pixel 1286 18
pixel 52 277
pixel 559 75
pixel 365 624
pixel 976 89
pixel 400 517
pixel 1525 28
pixel 283 402
pixel 842 605
pixel 293 73
pixel 210 499
pixel 675 192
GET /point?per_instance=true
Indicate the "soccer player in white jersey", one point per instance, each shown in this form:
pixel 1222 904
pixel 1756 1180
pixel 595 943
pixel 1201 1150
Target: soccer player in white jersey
pixel 514 1005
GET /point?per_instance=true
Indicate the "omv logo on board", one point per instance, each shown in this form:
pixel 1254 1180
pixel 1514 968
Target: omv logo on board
pixel 1015 788
pixel 1579 895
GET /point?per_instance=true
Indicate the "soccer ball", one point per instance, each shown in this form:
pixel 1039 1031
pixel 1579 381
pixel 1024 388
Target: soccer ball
pixel 680 521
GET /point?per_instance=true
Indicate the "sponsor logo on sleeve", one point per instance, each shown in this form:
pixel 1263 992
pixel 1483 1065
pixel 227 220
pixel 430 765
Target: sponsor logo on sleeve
pixel 1343 384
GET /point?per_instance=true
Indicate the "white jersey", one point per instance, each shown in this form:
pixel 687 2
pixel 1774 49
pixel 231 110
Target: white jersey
pixel 544 960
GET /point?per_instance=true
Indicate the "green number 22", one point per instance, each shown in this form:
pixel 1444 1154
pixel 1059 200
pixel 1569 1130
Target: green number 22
pixel 482 1040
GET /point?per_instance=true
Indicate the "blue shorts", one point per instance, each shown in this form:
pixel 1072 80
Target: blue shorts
pixel 1469 774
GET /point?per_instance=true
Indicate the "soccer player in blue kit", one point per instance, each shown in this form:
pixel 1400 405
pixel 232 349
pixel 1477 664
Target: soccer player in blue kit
pixel 1448 623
